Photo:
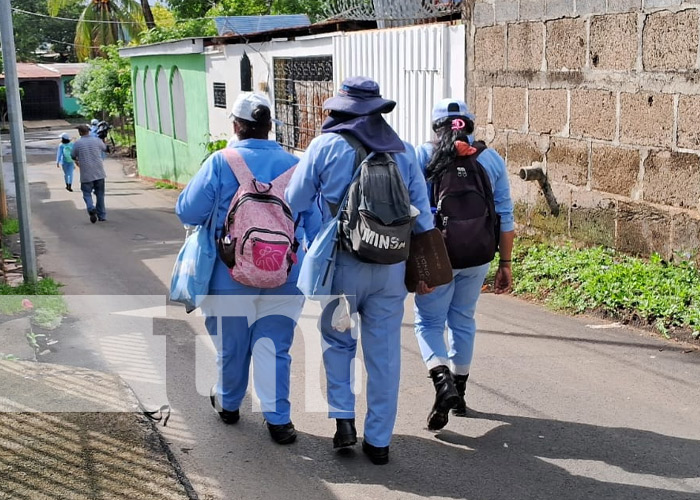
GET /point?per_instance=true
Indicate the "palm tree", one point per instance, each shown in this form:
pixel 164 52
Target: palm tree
pixel 103 22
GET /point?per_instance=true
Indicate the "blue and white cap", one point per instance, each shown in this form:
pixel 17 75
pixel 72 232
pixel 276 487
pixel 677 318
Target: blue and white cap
pixel 64 136
pixel 449 107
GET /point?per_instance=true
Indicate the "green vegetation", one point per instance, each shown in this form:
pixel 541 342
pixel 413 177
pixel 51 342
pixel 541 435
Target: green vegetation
pixel 104 89
pixel 102 23
pixel 10 226
pixel 41 299
pixel 655 292
pixel 165 185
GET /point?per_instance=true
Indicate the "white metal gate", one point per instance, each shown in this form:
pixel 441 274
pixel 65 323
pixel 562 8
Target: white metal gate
pixel 415 66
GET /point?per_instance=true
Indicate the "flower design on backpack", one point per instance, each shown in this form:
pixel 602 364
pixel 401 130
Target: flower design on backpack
pixel 269 256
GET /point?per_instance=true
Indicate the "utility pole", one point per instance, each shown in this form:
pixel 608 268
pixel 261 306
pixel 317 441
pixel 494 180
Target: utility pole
pixel 19 154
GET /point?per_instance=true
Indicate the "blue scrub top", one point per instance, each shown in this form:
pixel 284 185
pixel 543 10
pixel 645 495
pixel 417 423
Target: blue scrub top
pixel 498 175
pixel 325 171
pixel 267 161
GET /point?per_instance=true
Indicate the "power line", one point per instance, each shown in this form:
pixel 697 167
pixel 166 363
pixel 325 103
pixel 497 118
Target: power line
pixel 37 14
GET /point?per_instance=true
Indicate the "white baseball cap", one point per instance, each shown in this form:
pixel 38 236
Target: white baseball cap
pixel 64 136
pixel 245 104
pixel 94 121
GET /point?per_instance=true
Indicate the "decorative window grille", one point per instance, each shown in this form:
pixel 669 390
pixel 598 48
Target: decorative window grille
pixel 302 84
pixel 220 95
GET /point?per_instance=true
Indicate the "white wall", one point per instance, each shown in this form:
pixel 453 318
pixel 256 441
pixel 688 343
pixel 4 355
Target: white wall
pixel 414 66
pixel 223 65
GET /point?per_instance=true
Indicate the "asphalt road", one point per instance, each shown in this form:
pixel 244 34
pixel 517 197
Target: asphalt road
pixel 563 408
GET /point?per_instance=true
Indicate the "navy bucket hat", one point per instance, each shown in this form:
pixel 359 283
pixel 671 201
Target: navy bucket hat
pixel 359 96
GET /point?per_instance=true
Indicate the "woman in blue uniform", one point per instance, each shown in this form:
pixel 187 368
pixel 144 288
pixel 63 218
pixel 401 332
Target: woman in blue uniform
pixel 375 291
pixel 454 304
pixel 258 323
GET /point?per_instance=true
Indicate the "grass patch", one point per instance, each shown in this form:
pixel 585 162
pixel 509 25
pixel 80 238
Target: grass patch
pixel 165 185
pixel 42 300
pixel 658 293
pixel 10 226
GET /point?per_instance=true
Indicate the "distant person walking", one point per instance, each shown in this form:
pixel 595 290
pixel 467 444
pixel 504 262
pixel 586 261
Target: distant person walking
pixel 87 153
pixel 65 161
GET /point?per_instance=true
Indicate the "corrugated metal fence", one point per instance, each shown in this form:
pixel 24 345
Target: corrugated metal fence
pixel 411 65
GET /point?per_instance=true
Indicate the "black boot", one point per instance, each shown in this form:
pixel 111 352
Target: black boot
pixel 446 397
pixel 461 385
pixel 226 416
pixel 282 434
pixel 345 434
pixel 377 455
pixel 69 188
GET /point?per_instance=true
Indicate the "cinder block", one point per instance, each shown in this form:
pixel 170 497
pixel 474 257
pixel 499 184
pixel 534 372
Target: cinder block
pixel 483 14
pixel 624 5
pixel 614 42
pixel 525 46
pixel 689 122
pixel 566 44
pixel 567 161
pixel 547 110
pixel 614 169
pixel 593 114
pixel 523 151
pixel 559 8
pixel 508 108
pixel 585 7
pixel 646 119
pixel 643 229
pixel 592 218
pixel 686 235
pixel 672 179
pixel 654 4
pixel 670 41
pixel 500 144
pixel 531 10
pixel 481 107
pixel 506 10
pixel 490 49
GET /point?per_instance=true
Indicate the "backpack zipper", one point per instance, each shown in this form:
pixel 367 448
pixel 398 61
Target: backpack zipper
pixel 264 198
pixel 259 230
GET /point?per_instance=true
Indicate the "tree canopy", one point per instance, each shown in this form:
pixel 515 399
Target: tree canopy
pixel 34 32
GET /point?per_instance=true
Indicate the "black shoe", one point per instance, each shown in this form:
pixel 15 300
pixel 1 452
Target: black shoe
pixel 93 215
pixel 378 456
pixel 345 434
pixel 226 416
pixel 461 385
pixel 102 220
pixel 69 188
pixel 282 434
pixel 446 397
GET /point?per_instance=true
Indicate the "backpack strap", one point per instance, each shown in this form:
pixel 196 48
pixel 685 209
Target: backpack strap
pixel 238 166
pixel 284 178
pixel 360 155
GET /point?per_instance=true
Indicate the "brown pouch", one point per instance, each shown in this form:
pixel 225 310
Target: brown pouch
pixel 428 261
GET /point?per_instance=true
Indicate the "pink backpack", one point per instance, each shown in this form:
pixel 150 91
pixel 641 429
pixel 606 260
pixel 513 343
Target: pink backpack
pixel 258 243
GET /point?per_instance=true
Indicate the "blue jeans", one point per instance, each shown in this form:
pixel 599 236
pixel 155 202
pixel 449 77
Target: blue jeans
pixel 454 304
pixel 68 172
pixel 98 187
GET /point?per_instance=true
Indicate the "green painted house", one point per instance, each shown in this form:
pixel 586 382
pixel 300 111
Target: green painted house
pixel 170 108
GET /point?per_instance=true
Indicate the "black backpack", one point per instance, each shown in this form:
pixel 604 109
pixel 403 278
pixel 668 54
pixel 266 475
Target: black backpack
pixel 466 213
pixel 376 222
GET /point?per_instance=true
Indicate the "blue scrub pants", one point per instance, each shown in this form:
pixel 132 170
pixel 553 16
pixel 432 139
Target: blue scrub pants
pixel 377 292
pixel 98 187
pixel 68 172
pixel 454 304
pixel 259 324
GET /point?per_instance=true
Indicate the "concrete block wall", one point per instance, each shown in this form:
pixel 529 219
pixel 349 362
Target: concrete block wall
pixel 604 95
